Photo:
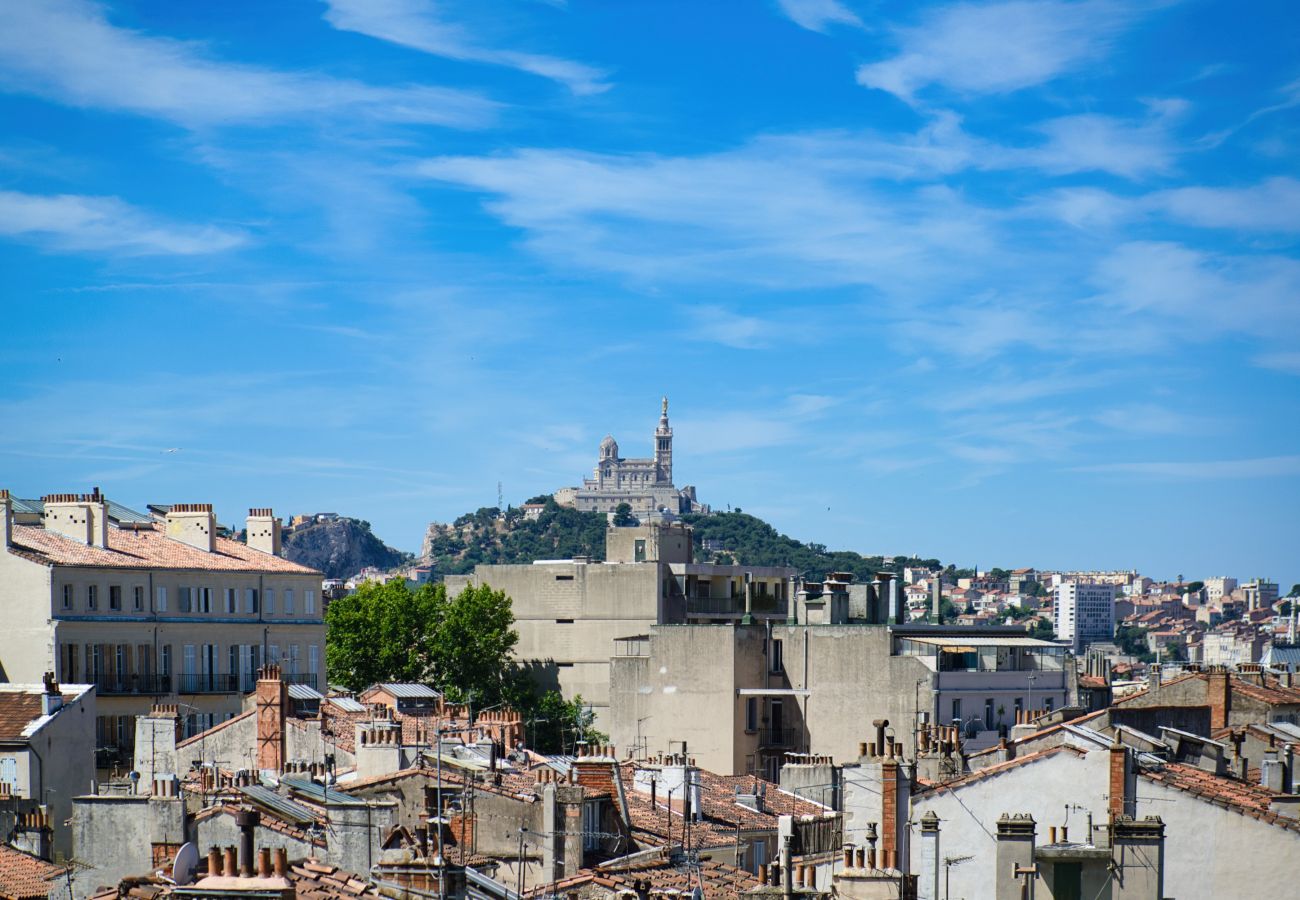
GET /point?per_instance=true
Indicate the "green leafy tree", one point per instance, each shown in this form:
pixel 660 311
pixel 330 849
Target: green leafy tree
pixel 387 632
pixel 471 645
pixel 623 516
pixel 555 725
pixel 1295 591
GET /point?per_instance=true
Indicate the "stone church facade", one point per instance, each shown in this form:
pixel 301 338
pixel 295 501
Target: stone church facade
pixel 644 484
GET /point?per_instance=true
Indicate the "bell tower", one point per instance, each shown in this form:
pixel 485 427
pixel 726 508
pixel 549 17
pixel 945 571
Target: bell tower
pixel 664 448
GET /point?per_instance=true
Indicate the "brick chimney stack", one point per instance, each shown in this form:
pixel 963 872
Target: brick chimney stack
pixel 272 702
pixel 1218 696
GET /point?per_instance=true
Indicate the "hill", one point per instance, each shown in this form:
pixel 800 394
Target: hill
pixel 488 536
pixel 750 541
pixel 340 547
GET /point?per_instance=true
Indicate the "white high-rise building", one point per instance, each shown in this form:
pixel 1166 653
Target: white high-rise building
pixel 1084 612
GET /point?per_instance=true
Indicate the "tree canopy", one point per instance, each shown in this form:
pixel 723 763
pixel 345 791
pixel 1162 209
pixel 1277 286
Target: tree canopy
pixel 463 645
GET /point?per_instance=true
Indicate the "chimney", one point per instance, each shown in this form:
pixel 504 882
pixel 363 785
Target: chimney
pixel 6 519
pixel 272 700
pixel 193 524
pixel 263 531
pixel 928 888
pixel 52 698
pixel 1121 802
pixel 247 820
pixel 70 515
pixel 1015 853
pixel 1138 858
pixel 1218 696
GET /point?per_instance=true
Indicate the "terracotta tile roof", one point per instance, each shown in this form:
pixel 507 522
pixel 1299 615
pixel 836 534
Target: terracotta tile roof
pixel 1248 798
pixel 23 876
pixel 313 880
pixel 720 814
pixel 267 819
pixel 20 706
pixel 1271 692
pixel 147 548
pixel 716 880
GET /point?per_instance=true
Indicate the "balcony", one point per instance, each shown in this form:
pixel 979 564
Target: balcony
pixel 209 684
pixel 149 685
pixel 780 738
pixel 764 605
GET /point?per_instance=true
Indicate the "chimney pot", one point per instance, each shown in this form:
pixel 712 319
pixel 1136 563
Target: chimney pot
pixel 264 862
pixel 281 864
pixel 214 861
pixel 230 869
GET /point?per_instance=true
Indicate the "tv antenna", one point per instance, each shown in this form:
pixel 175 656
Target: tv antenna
pixel 501 502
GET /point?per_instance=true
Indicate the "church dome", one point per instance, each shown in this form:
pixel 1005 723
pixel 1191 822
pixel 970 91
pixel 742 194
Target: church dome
pixel 609 448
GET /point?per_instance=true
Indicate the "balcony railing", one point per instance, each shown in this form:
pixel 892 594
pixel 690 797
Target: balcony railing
pixel 764 604
pixel 308 678
pixel 789 738
pixel 133 684
pixel 209 683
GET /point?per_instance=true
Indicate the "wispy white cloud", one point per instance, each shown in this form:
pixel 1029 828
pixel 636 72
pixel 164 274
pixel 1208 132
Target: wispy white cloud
pixel 818 15
pixel 1098 143
pixel 74 222
pixel 1202 295
pixel 68 51
pixel 1261 467
pixel 1272 205
pixel 997 48
pixel 1281 361
pixel 417 24
pixel 1153 419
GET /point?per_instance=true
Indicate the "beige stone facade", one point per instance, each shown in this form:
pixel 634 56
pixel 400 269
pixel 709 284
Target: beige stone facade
pixel 148 611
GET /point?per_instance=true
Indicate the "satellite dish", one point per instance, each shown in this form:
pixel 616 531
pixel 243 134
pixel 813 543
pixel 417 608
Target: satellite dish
pixel 186 861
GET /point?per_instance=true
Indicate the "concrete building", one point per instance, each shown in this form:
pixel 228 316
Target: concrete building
pixel 151 608
pixel 646 485
pixel 1219 588
pixel 573 615
pixel 1259 594
pixel 47 754
pixel 1084 612
pixel 743 696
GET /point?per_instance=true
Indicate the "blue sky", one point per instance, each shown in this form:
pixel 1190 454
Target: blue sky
pixel 1004 283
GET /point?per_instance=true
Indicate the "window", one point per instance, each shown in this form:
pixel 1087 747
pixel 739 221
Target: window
pixel 288 600
pixel 751 714
pixel 988 714
pixel 162 599
pixel 268 601
pixel 309 602
pixel 250 600
pixel 273 653
pixel 67 596
pixel 232 604
pixel 92 596
pixel 115 596
pixel 137 597
pixel 165 667
pixel 313 659
pixel 956 710
pixel 187 661
pixel 183 603
pixel 563 577
pixel 9 772
pixel 638 554
pixel 778 665
pixel 293 659
pixel 204 598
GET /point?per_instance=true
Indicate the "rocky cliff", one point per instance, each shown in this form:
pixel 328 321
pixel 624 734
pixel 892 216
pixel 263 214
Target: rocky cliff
pixel 340 548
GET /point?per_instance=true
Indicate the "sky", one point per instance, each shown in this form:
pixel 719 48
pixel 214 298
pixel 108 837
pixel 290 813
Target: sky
pixel 1010 283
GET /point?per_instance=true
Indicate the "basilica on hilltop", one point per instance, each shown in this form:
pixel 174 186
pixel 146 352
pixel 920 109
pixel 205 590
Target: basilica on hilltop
pixel 644 484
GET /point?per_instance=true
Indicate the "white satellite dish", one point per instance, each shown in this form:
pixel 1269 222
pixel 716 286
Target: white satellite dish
pixel 186 861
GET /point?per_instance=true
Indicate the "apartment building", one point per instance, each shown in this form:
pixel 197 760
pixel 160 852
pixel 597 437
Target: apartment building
pixel 1084 612
pixel 151 607
pixel 571 614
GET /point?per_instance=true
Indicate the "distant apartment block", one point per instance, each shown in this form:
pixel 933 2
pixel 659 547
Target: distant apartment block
pixel 151 607
pixel 1259 594
pixel 1084 612
pixel 1219 589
